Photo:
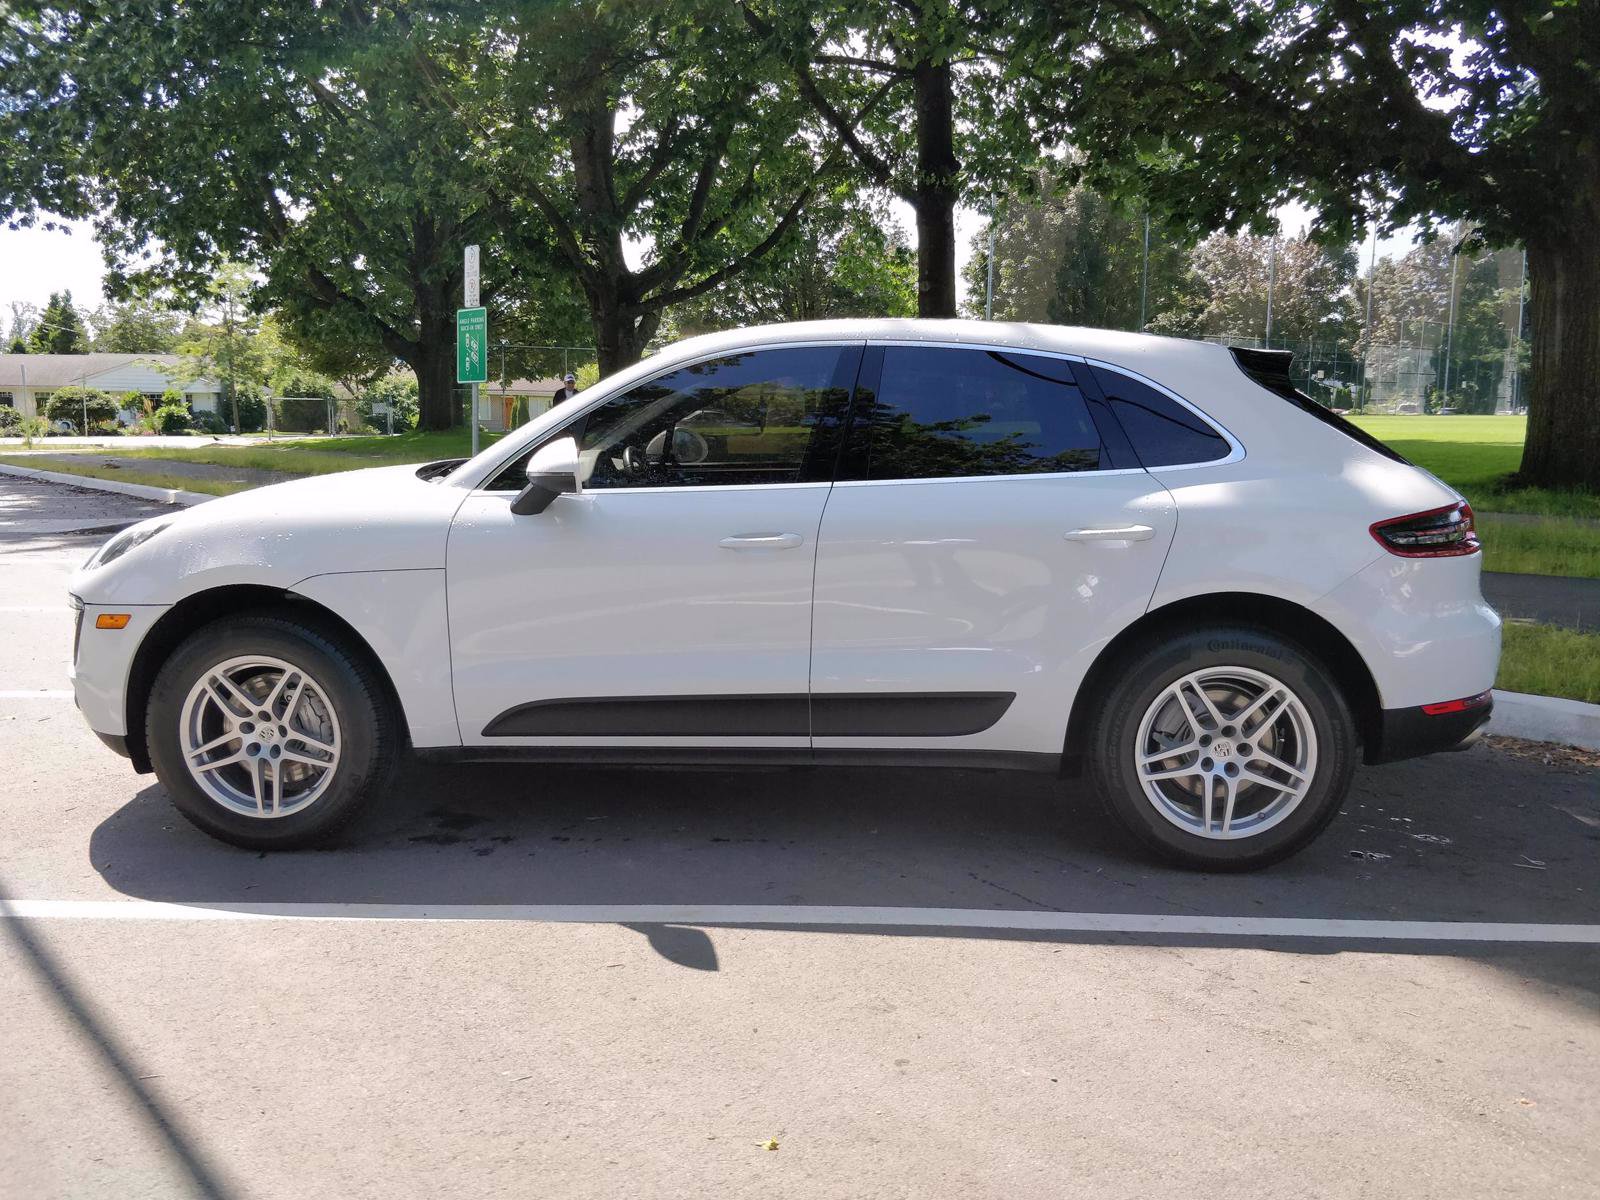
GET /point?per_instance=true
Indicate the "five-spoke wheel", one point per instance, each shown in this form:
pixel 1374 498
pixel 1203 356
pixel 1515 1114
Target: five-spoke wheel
pixel 271 730
pixel 1224 747
pixel 260 737
pixel 1226 752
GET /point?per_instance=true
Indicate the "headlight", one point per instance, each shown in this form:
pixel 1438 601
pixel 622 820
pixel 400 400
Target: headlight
pixel 125 541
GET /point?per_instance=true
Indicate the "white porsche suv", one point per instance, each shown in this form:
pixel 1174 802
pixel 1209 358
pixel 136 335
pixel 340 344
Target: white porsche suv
pixel 1146 561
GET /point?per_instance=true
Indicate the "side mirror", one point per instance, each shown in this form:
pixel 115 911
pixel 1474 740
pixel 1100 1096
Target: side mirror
pixel 552 472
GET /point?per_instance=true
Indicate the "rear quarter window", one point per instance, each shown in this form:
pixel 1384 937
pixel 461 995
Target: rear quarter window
pixel 1164 433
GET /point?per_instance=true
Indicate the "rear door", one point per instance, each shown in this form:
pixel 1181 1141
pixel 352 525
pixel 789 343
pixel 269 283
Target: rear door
pixel 988 532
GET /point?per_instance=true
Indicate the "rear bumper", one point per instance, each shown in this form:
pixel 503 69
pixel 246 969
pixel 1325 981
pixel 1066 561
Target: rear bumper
pixel 1411 732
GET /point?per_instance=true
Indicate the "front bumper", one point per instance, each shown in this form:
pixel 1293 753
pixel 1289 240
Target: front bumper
pixel 102 664
pixel 1412 732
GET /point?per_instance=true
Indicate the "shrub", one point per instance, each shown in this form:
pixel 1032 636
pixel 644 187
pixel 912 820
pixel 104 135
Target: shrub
pixel 208 422
pixel 172 418
pixel 399 392
pixel 33 427
pixel 10 420
pixel 173 396
pixel 71 404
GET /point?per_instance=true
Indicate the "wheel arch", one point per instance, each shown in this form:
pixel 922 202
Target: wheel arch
pixel 201 608
pixel 1282 617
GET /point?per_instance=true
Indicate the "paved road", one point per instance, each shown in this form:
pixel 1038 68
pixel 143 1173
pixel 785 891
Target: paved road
pixel 1553 599
pixel 162 1038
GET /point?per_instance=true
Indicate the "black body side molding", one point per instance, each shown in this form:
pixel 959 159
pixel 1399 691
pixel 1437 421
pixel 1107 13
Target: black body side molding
pixel 842 714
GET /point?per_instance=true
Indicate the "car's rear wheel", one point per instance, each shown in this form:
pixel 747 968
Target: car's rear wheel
pixel 269 732
pixel 1224 748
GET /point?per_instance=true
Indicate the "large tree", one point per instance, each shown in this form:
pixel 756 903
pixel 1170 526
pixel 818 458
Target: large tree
pixel 1071 256
pixel 1234 275
pixel 289 136
pixel 59 329
pixel 136 326
pixel 845 257
pixel 1407 110
pixel 930 99
pixel 646 148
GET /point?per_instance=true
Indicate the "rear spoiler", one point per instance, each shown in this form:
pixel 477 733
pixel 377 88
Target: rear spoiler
pixel 1269 368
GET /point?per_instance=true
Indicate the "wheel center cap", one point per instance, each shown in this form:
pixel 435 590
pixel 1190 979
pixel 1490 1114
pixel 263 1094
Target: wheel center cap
pixel 268 734
pixel 1221 749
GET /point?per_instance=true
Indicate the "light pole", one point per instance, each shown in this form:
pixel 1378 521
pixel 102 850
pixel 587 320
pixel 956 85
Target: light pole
pixel 1450 329
pixel 1144 273
pixel 1272 282
pixel 988 286
pixel 1366 324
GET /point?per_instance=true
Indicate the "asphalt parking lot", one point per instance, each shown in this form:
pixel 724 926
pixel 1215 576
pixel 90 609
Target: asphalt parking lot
pixel 517 981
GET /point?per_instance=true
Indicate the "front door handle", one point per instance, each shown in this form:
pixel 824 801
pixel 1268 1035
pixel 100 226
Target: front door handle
pixel 762 541
pixel 1123 533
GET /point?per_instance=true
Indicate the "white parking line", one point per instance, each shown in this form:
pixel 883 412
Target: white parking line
pixel 815 915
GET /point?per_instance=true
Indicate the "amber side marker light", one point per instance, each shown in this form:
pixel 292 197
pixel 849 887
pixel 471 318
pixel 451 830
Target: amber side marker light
pixel 112 620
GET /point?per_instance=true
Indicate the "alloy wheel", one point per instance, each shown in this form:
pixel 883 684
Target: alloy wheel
pixel 1226 752
pixel 260 736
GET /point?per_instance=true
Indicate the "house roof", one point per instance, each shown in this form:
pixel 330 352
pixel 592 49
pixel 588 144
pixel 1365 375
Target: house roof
pixel 61 370
pixel 524 387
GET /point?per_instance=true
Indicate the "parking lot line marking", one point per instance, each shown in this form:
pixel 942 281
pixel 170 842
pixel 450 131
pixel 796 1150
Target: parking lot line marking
pixel 816 915
pixel 38 694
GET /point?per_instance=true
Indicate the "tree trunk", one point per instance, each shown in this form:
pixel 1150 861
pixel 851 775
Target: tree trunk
pixel 935 191
pixel 434 361
pixel 1563 446
pixel 620 337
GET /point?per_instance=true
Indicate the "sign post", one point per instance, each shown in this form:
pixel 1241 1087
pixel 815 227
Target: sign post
pixel 472 340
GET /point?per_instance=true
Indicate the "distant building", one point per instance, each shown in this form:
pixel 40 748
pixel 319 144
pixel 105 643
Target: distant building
pixel 27 380
pixel 497 401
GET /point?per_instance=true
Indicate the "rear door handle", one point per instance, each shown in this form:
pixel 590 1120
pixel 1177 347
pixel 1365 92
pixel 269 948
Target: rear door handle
pixel 1123 533
pixel 762 541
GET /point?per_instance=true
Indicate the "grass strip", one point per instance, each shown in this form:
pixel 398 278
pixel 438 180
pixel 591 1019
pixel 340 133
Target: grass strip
pixel 157 478
pixel 1546 660
pixel 1553 546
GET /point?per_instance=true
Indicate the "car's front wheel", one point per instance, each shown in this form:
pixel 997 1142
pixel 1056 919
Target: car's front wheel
pixel 1224 748
pixel 269 732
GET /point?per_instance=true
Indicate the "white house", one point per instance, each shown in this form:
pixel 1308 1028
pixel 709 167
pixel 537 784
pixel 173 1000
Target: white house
pixel 26 380
pixel 497 400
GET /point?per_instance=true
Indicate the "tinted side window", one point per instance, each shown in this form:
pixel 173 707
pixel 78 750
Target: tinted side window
pixel 1163 432
pixel 940 413
pixel 748 418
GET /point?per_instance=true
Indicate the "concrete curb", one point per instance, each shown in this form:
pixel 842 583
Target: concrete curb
pixel 1546 719
pixel 140 490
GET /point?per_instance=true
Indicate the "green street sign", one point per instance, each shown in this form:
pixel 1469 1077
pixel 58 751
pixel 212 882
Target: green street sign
pixel 472 345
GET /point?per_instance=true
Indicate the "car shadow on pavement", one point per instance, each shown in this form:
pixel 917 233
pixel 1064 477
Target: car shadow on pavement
pixel 1475 837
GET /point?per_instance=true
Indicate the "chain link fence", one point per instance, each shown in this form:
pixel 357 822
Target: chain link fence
pixel 1401 377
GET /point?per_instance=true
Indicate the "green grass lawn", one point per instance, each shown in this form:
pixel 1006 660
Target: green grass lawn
pixel 1547 661
pixel 1474 455
pixel 1554 546
pixel 314 456
pixel 153 478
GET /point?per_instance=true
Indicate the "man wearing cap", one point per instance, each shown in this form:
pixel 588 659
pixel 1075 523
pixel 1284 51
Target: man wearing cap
pixel 567 390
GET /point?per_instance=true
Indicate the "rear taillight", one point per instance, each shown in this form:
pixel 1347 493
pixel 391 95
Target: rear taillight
pixel 1437 533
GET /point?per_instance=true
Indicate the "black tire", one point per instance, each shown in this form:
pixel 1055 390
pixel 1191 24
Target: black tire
pixel 368 726
pixel 1151 669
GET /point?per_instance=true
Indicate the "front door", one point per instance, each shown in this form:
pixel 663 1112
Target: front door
pixel 670 602
pixel 989 532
